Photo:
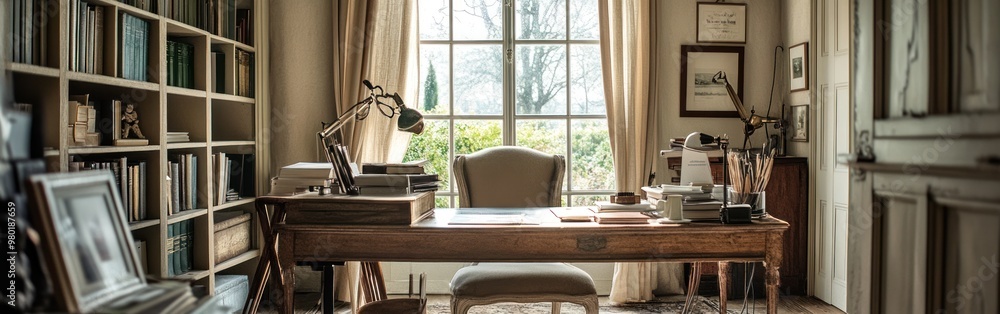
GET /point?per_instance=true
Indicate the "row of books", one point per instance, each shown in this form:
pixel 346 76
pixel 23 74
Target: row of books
pixel 133 47
pixel 219 17
pixel 130 177
pixel 301 177
pixel 244 73
pixel 183 181
pixel 147 5
pixel 28 25
pixel 86 23
pixel 234 177
pixel 395 178
pixel 180 64
pixel 180 244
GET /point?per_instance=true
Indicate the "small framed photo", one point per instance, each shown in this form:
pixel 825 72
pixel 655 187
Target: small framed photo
pixel 85 235
pixel 798 66
pixel 705 70
pixel 722 23
pixel 799 128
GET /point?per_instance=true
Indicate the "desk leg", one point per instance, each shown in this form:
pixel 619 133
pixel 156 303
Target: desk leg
pixel 268 257
pixel 772 262
pixel 286 264
pixel 328 286
pixel 723 286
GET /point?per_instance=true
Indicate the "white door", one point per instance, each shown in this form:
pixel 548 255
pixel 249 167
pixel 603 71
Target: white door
pixel 832 137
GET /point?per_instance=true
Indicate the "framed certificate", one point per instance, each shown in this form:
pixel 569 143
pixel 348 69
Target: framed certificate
pixel 722 23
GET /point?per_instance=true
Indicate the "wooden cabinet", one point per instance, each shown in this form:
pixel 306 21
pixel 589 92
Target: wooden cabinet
pixel 788 200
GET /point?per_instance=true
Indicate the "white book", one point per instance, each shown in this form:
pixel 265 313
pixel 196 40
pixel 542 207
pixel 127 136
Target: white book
pixel 607 206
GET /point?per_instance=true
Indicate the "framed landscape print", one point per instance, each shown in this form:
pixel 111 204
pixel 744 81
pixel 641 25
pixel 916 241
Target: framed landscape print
pixel 704 73
pixel 798 67
pixel 799 120
pixel 722 22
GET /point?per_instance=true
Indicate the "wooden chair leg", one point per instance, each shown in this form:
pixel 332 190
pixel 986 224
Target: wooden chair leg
pixel 556 307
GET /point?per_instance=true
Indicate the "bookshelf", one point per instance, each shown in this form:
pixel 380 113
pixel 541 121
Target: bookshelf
pixel 215 120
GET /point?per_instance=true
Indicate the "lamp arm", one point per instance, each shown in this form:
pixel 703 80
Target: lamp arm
pixel 348 115
pixel 721 76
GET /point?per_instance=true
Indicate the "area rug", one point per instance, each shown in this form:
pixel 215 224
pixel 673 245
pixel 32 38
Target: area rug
pixel 699 305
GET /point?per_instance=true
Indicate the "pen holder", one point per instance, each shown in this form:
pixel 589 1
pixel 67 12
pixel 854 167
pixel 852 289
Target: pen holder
pixel 757 202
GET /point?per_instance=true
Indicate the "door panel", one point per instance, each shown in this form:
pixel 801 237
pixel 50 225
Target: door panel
pixel 976 50
pixel 904 245
pixel 907 57
pixel 971 248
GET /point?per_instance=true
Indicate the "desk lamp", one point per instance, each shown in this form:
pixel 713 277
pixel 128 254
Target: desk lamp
pixel 751 120
pixel 410 120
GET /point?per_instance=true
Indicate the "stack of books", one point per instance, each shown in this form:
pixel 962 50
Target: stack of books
pixel 178 137
pixel 234 177
pixel 697 204
pixel 147 5
pixel 219 17
pixel 396 184
pixel 83 124
pixel 300 177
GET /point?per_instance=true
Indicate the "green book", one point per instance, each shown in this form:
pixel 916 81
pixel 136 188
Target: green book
pixel 176 260
pixel 171 271
pixel 170 63
pixel 185 246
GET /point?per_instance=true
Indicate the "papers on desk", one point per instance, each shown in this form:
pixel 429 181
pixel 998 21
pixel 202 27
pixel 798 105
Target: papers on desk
pixel 573 214
pixel 491 216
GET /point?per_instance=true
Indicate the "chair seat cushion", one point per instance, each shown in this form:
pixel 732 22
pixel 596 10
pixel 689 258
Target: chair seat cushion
pixel 516 279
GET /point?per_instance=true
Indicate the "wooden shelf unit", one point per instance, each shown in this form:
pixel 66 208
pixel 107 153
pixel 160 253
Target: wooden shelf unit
pixel 202 113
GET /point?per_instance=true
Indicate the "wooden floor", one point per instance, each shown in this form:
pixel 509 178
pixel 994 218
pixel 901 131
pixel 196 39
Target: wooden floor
pixel 786 304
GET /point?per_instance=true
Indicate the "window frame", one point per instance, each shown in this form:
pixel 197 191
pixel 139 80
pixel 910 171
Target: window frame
pixel 509 116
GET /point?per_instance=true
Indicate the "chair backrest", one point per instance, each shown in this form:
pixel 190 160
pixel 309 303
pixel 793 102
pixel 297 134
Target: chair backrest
pixel 509 176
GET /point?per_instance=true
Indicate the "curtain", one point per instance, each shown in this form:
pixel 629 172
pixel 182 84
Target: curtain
pixel 628 51
pixel 377 42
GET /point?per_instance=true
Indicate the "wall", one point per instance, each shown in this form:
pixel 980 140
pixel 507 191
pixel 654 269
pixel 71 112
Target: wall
pixel 677 26
pixel 302 63
pixel 797 27
pixel 302 79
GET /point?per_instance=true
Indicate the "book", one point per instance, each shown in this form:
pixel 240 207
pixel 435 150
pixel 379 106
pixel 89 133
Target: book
pixel 398 180
pixel 320 170
pixel 622 217
pixel 393 168
pixel 607 206
pixel 573 214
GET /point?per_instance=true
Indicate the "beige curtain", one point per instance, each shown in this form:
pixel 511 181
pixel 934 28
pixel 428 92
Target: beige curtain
pixel 628 57
pixel 377 42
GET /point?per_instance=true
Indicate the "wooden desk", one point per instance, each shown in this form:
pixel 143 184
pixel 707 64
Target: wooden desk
pixel 433 240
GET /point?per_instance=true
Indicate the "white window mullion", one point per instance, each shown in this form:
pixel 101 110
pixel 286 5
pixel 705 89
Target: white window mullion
pixel 509 108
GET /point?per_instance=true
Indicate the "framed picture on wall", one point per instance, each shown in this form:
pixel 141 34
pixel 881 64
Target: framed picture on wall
pixel 722 22
pixel 798 67
pixel 704 72
pixel 799 128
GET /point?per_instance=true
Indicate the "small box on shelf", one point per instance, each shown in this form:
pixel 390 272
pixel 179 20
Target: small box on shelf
pixel 232 234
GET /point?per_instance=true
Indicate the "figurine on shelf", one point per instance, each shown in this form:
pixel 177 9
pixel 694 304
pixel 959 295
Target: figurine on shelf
pixel 130 122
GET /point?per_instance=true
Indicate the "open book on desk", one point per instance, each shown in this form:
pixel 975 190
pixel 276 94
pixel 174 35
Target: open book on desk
pixel 491 216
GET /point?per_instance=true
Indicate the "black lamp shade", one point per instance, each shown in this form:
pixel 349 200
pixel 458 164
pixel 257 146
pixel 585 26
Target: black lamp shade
pixel 410 120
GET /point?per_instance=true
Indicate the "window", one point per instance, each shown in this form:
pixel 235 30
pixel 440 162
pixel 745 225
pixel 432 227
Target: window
pixel 514 72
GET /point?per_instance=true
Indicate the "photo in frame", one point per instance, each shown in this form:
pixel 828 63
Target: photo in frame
pixel 722 22
pixel 798 67
pixel 702 95
pixel 798 129
pixel 92 260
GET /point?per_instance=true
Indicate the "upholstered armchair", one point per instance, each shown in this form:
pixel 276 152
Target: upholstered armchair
pixel 509 176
